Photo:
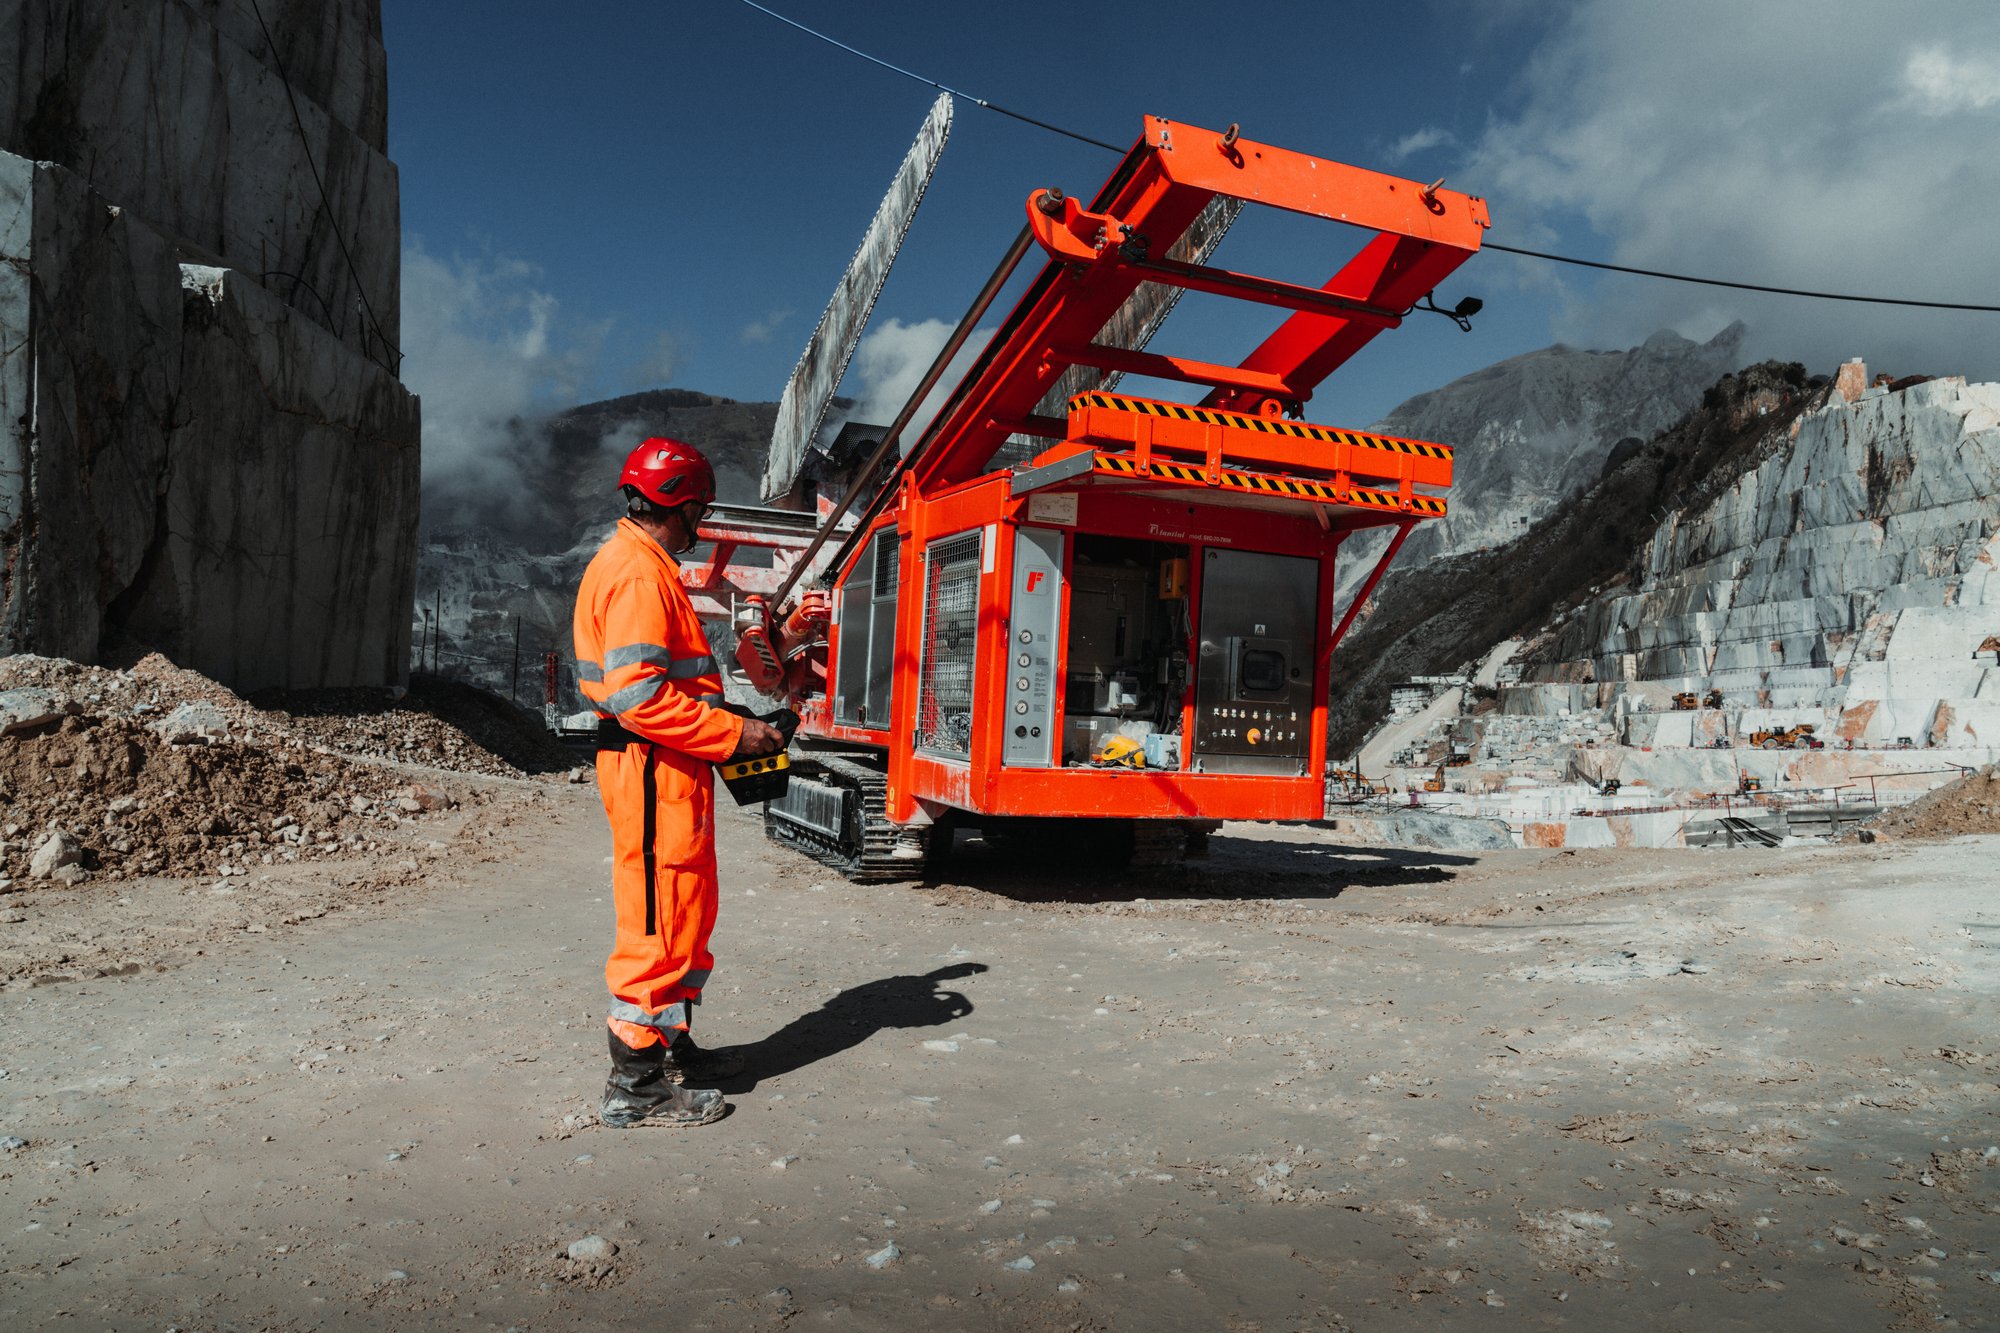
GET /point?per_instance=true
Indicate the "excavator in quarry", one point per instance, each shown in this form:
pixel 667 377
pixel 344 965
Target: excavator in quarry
pixel 1063 607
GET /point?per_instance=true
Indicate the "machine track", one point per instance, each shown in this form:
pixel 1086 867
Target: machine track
pixel 836 812
pixel 1167 842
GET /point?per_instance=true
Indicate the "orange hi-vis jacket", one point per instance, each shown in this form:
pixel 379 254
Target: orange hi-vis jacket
pixel 644 663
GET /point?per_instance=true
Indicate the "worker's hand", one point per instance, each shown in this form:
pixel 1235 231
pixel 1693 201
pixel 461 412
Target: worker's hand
pixel 758 738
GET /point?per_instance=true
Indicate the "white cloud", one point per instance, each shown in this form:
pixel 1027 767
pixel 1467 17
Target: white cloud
pixel 1940 83
pixel 1788 144
pixel 889 364
pixel 1417 141
pixel 760 330
pixel 489 351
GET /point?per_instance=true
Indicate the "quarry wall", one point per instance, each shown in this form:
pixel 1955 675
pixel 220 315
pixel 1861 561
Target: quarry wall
pixel 204 445
pixel 1849 579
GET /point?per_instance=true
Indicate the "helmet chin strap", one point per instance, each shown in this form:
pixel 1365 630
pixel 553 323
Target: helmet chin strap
pixel 689 538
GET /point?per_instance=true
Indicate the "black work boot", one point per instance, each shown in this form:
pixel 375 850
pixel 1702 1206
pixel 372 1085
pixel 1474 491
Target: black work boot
pixel 640 1093
pixel 689 1063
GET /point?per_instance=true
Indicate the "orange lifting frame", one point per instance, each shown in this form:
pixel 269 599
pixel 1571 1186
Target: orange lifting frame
pixel 1099 255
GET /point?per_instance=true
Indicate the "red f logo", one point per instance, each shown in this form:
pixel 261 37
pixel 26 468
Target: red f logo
pixel 1035 579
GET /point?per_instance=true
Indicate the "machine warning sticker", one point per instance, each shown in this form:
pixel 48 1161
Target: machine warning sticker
pixel 1059 507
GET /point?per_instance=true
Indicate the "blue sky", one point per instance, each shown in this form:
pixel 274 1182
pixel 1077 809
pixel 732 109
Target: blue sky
pixel 607 196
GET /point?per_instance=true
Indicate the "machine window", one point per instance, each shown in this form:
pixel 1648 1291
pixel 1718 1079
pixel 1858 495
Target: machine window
pixel 1263 670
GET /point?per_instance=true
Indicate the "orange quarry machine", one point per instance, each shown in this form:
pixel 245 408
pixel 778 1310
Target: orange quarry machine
pixel 1131 620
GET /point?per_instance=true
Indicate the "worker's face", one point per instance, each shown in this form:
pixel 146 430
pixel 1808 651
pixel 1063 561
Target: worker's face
pixel 683 524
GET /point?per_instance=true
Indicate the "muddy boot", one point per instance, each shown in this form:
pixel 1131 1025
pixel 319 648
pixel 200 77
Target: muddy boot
pixel 690 1064
pixel 640 1093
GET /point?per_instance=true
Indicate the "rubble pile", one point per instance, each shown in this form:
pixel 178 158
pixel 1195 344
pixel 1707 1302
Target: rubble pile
pixel 439 723
pixel 1970 804
pixel 156 770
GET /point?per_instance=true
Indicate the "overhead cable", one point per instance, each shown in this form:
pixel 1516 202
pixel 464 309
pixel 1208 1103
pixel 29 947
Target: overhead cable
pixel 1740 286
pixel 943 88
pixel 1488 245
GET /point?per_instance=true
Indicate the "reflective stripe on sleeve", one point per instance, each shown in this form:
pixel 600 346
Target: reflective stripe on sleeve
pixel 652 654
pixel 687 668
pixel 628 654
pixel 589 672
pixel 633 695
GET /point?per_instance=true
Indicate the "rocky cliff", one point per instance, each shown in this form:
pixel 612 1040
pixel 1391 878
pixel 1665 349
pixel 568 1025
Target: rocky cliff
pixel 1437 616
pixel 1848 578
pixel 204 445
pixel 1534 430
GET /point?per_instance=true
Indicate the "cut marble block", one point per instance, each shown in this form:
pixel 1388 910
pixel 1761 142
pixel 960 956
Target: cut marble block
pixel 189 462
pixel 177 112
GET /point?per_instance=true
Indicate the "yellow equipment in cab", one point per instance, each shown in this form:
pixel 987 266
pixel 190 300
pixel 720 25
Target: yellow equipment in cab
pixel 1121 752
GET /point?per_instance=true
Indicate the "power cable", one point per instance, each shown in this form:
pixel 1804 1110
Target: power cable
pixel 943 88
pixel 1487 245
pixel 326 205
pixel 1740 286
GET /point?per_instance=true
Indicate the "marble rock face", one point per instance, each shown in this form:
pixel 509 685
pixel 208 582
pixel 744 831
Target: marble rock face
pixel 178 112
pixel 1847 580
pixel 204 447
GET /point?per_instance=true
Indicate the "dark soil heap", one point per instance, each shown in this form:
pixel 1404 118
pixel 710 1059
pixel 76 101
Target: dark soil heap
pixel 1970 804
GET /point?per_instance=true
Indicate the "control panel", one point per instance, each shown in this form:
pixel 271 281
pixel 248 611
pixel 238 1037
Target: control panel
pixel 1254 730
pixel 1034 618
pixel 1262 707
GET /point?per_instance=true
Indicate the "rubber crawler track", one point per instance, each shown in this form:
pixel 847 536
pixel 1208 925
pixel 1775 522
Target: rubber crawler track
pixel 867 861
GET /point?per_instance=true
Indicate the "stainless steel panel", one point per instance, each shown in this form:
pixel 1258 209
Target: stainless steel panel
pixel 1254 675
pixel 1034 618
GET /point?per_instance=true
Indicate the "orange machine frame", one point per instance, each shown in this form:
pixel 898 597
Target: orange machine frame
pixel 1233 471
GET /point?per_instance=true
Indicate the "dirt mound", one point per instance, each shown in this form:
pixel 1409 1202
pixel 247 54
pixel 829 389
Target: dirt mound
pixel 1970 804
pixel 155 770
pixel 94 796
pixel 440 724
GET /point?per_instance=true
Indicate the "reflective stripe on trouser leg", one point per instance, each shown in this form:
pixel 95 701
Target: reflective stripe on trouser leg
pixel 669 964
pixel 639 1029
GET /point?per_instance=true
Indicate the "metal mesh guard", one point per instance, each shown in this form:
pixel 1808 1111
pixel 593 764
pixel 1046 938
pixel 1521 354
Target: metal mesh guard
pixel 951 620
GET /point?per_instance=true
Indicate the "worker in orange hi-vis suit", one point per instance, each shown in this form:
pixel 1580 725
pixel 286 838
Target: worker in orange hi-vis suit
pixel 645 665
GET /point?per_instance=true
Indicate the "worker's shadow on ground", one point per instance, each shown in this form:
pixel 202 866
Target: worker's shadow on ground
pixel 1234 868
pixel 852 1017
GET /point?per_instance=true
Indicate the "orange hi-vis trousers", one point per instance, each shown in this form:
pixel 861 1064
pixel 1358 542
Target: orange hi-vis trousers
pixel 645 664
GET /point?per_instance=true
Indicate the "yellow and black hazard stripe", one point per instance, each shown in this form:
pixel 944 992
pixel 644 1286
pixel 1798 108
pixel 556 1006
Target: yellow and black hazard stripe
pixel 1263 483
pixel 1297 430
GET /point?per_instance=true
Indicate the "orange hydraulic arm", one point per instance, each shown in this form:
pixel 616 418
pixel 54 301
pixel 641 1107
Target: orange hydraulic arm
pixel 1098 256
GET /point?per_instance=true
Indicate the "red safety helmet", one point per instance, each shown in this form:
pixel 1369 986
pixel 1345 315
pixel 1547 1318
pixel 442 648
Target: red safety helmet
pixel 669 473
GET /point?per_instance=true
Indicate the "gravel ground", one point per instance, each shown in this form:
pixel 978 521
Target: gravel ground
pixel 1303 1085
